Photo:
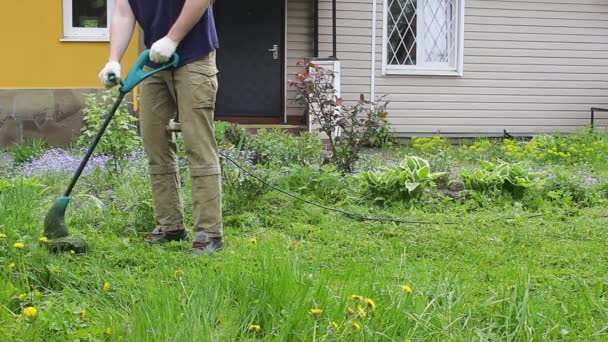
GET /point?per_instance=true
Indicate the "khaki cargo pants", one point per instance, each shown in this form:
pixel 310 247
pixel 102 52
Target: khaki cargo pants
pixel 194 92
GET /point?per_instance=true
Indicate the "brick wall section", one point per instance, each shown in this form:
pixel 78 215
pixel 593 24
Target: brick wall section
pixel 54 115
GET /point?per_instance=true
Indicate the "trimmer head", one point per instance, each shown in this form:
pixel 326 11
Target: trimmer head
pixel 56 231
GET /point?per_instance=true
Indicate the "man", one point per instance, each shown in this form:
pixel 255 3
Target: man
pixel 188 28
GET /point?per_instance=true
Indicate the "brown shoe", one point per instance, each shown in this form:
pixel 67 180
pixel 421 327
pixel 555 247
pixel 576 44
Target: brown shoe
pixel 157 236
pixel 204 245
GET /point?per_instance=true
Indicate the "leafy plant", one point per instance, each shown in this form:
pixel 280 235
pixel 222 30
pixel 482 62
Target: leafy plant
pixel 278 147
pixel 347 128
pixel 22 153
pixel 403 182
pixel 491 178
pixel 120 137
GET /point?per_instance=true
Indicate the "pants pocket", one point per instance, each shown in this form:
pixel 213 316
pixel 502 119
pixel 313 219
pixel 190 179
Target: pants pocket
pixel 204 85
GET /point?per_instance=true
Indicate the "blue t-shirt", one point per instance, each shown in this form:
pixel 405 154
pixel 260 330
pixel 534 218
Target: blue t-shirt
pixel 156 17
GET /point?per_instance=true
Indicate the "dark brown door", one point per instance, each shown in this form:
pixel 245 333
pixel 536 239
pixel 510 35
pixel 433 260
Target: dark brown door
pixel 250 57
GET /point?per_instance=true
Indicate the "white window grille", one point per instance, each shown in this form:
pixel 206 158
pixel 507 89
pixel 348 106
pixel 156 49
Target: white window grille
pixel 87 20
pixel 423 37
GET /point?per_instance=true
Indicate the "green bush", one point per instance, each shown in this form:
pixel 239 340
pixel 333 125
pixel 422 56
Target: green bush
pixel 406 181
pixel 22 153
pixel 121 136
pixel 281 148
pixel 512 178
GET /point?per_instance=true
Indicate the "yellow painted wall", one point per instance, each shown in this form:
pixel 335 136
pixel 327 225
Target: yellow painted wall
pixel 32 55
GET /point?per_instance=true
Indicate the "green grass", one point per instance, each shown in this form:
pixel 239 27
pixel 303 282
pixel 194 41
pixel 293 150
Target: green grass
pixel 483 278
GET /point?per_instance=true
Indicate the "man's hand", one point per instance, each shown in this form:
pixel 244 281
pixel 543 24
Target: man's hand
pixel 111 68
pixel 162 50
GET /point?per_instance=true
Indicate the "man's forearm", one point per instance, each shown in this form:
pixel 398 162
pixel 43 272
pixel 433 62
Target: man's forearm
pixel 191 13
pixel 123 23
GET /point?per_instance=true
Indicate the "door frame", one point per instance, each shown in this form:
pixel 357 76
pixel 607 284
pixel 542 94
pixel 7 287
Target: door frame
pixel 277 119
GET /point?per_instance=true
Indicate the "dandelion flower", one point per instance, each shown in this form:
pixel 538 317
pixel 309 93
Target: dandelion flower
pixel 19 245
pixel 11 265
pixel 108 331
pixel 357 298
pixel 255 328
pixel 370 303
pixel 406 288
pixel 361 311
pixel 43 239
pixel 22 297
pixel 30 311
pixel 2 236
pixel 179 274
pixel 72 251
pixel 356 325
pixel 315 312
pixel 253 241
pixel 350 310
pixel 334 325
pixel 106 286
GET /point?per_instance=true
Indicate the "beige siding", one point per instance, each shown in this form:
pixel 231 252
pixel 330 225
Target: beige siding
pixel 529 67
pixel 299 44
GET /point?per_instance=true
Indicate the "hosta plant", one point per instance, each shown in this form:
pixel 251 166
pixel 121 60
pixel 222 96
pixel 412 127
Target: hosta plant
pixel 494 178
pixel 406 181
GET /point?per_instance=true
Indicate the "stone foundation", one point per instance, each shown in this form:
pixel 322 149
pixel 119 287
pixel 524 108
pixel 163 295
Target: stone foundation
pixel 54 115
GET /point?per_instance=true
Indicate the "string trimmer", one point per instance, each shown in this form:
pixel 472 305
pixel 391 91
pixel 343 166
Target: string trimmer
pixel 54 224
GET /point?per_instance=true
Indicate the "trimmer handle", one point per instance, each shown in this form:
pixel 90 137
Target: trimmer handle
pixel 137 73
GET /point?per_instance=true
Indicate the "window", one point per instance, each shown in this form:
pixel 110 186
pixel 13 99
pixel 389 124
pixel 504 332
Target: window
pixel 87 20
pixel 423 37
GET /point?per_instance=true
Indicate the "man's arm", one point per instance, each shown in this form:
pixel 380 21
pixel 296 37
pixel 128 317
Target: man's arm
pixel 192 12
pixel 123 23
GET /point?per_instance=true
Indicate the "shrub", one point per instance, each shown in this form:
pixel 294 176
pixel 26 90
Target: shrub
pixel 121 136
pixel 278 147
pixel 22 153
pixel 347 128
pixel 495 178
pixel 406 181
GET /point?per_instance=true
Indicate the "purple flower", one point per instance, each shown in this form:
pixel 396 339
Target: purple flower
pixel 61 161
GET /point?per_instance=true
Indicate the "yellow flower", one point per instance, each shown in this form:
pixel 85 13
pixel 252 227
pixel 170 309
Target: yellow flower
pixel 43 239
pixel 357 298
pixel 406 288
pixel 108 331
pixel 179 274
pixel 334 325
pixel 11 265
pixel 255 328
pixel 22 297
pixel 2 236
pixel 72 251
pixel 253 241
pixel 30 311
pixel 106 286
pixel 361 311
pixel 356 325
pixel 370 303
pixel 350 310
pixel 19 245
pixel 315 312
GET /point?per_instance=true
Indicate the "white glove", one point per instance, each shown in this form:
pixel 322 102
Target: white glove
pixel 111 68
pixel 162 50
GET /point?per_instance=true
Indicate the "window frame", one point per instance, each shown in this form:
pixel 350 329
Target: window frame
pixel 430 70
pixel 83 34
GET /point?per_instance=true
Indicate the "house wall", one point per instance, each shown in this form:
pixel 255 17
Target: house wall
pixel 43 78
pixel 299 45
pixel 529 67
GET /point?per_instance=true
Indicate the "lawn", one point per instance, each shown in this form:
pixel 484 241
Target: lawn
pixel 508 242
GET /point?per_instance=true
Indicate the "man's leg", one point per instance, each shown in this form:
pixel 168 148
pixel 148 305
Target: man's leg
pixel 157 108
pixel 196 86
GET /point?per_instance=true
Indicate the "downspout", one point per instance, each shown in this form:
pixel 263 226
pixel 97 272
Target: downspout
pixel 334 29
pixel 315 29
pixel 373 59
